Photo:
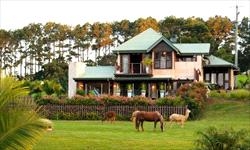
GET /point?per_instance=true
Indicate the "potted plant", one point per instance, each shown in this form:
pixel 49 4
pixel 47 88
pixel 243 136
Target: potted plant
pixel 162 90
pixel 147 61
pixel 129 89
pixel 143 89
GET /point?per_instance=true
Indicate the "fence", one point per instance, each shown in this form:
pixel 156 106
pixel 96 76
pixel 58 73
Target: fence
pixel 79 112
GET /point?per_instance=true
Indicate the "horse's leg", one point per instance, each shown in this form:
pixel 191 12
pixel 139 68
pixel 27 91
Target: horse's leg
pixel 137 124
pixel 155 122
pixel 162 123
pixel 142 126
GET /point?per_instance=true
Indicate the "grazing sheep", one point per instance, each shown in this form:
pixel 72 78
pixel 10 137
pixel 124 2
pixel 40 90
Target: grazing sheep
pixel 48 124
pixel 179 118
pixel 109 116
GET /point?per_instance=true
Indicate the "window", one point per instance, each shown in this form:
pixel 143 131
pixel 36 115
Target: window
pixel 213 78
pixel 227 81
pixel 226 76
pixel 163 60
pixel 125 63
pixel 220 79
pixel 186 58
pixel 207 77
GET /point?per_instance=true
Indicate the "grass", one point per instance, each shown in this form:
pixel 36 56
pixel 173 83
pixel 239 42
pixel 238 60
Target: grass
pixel 93 135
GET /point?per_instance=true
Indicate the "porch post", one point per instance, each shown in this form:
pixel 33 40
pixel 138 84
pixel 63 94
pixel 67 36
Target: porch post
pixel 149 94
pixel 109 87
pixel 86 88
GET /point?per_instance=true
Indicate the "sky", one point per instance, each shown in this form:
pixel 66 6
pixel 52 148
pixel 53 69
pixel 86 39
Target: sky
pixel 15 14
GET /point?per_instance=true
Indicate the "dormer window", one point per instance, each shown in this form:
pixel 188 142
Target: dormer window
pixel 163 60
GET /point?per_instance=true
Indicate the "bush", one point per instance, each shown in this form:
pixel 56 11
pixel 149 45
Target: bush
pixel 140 100
pixel 48 99
pixel 170 101
pixel 218 94
pixel 112 100
pixel 83 100
pixel 196 109
pixel 80 92
pixel 196 91
pixel 195 96
pixel 214 139
pixel 240 94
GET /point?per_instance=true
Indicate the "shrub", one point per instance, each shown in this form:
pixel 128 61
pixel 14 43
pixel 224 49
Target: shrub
pixel 140 100
pixel 218 94
pixel 48 99
pixel 80 92
pixel 194 95
pixel 170 101
pixel 239 94
pixel 196 90
pixel 111 100
pixel 83 100
pixel 214 139
pixel 196 109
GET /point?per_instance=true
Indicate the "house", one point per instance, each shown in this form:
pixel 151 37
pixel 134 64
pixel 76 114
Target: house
pixel 150 65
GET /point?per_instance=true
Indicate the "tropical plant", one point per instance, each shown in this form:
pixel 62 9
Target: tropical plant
pixel 161 86
pixel 129 86
pixel 20 125
pixel 147 61
pixel 143 86
pixel 215 139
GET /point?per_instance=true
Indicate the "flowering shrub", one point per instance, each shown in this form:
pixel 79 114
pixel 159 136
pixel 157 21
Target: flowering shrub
pixel 196 91
pixel 170 101
pixel 140 100
pixel 194 95
pixel 83 100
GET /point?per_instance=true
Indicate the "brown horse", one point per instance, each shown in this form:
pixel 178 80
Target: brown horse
pixel 142 116
pixel 109 116
pixel 133 116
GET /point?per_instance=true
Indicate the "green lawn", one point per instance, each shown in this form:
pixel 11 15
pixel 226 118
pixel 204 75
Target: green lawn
pixel 93 135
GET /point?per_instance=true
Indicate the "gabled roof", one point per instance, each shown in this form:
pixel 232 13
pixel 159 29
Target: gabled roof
pixel 193 48
pixel 143 42
pixel 218 62
pixel 98 73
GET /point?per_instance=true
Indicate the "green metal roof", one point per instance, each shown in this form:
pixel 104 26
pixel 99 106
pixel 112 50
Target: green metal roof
pixel 218 62
pixel 193 48
pixel 98 73
pixel 143 42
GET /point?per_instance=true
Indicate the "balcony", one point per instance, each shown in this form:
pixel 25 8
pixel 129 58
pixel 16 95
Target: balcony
pixel 134 69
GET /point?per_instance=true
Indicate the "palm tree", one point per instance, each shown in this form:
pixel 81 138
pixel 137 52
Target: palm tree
pixel 20 125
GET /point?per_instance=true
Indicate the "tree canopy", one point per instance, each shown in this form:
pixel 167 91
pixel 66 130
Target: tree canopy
pixel 27 50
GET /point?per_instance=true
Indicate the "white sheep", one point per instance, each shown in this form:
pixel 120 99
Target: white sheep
pixel 179 118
